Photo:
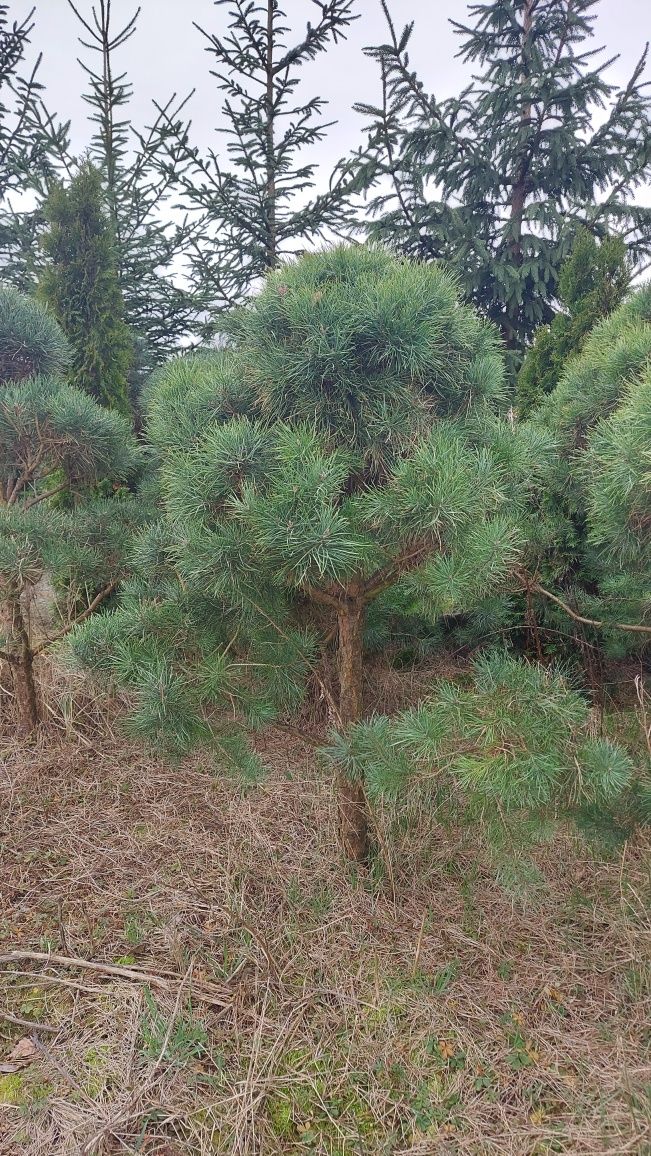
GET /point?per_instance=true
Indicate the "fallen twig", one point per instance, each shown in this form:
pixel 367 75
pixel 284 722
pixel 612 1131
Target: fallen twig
pixel 4 1015
pixel 206 993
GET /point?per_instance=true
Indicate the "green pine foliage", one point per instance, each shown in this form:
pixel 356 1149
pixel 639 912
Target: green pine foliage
pixel 594 533
pixel 616 470
pixel 56 445
pixel 497 179
pixel 31 341
pixel 80 284
pixel 591 285
pixel 339 450
pixel 506 753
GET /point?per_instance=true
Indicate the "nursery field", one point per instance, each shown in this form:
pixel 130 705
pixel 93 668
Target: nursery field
pixel 209 976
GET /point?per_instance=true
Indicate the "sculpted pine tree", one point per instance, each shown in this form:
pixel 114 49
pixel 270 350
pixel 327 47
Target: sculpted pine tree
pixel 497 179
pixel 55 445
pixel 337 454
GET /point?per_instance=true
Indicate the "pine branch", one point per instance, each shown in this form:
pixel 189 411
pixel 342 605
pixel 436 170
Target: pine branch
pixel 97 601
pixel 600 625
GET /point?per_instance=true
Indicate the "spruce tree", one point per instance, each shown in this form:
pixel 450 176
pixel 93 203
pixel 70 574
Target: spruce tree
pixel 340 452
pixel 55 445
pixel 591 285
pixel 254 202
pixel 32 145
pixel 80 284
pixel 497 179
pixel 139 174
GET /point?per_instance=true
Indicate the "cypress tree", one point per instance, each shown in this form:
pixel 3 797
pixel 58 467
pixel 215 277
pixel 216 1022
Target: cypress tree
pixel 81 286
pixel 497 179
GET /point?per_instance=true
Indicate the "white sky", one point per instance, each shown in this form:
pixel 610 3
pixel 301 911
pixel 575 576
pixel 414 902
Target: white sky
pixel 167 54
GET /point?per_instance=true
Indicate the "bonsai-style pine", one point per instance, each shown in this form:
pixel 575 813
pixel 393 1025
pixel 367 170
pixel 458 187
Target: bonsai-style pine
pixel 330 458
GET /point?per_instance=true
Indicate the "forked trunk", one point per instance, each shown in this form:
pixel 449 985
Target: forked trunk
pixel 353 807
pixel 20 665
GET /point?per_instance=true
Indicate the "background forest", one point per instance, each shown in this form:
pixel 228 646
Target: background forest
pixel 325 596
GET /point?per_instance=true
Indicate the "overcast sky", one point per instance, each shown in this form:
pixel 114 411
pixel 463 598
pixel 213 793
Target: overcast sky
pixel 167 55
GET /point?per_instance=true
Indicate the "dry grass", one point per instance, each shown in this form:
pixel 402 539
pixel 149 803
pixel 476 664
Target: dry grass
pixel 420 1010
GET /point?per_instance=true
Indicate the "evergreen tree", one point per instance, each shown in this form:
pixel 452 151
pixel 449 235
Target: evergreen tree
pixel 31 341
pixel 616 470
pixel 508 753
pixel 497 180
pixel 256 205
pixel 140 175
pixel 32 145
pixel 80 283
pixel 55 443
pixel 591 285
pixel 593 532
pixel 331 458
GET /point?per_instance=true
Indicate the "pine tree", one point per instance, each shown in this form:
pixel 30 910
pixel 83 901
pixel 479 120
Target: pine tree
pixel 594 533
pixel 55 444
pixel 497 180
pixel 140 175
pixel 31 341
pixel 591 285
pixel 81 286
pixel 507 755
pixel 340 452
pixel 256 204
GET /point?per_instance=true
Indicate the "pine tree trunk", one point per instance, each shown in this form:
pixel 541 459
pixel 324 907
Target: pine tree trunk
pixel 20 665
pixel 353 807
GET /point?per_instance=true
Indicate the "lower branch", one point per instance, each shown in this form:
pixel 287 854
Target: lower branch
pixel 632 627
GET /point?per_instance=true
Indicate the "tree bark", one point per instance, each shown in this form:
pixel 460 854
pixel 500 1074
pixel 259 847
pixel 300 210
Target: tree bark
pixel 20 664
pixel 353 806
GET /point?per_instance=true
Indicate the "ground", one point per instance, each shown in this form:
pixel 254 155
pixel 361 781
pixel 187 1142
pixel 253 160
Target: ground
pixel 291 1005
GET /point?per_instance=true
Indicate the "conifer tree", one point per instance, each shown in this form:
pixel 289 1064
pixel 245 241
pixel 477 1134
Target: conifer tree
pixel 594 530
pixel 507 754
pixel 55 444
pixel 80 284
pixel 32 144
pixel 497 179
pixel 139 175
pixel 255 202
pixel 591 285
pixel 337 454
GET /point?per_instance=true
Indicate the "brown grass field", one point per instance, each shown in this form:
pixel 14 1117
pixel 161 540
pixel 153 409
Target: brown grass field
pixel 267 1000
